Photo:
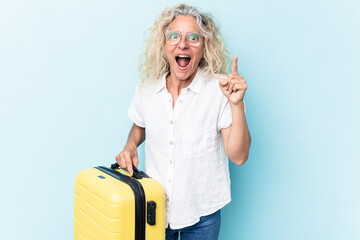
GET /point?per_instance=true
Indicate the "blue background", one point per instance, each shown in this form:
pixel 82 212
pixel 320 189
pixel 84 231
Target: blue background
pixel 68 72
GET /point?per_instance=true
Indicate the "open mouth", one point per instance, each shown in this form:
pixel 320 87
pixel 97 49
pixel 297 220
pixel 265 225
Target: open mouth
pixel 182 60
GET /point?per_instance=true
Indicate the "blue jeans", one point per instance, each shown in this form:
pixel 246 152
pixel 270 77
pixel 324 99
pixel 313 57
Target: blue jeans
pixel 207 228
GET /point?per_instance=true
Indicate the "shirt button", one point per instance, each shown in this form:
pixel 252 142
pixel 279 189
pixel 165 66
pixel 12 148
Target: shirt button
pixel 170 161
pixel 180 101
pixel 167 200
pixel 169 100
pixel 188 89
pixel 171 143
pixel 169 181
pixel 171 122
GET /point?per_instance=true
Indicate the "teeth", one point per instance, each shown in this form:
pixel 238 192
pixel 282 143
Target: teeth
pixel 183 56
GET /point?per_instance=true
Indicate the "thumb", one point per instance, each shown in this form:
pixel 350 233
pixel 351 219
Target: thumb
pixel 130 169
pixel 223 82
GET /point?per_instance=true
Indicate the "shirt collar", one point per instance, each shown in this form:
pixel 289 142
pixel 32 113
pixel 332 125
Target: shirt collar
pixel 194 86
pixel 161 84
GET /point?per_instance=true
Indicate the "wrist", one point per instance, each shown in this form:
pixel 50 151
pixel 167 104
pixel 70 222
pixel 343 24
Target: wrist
pixel 130 145
pixel 239 104
pixel 238 108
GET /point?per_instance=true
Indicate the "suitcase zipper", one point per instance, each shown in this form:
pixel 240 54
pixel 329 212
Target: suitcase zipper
pixel 139 195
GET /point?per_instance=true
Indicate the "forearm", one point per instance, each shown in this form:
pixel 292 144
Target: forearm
pixel 238 142
pixel 136 136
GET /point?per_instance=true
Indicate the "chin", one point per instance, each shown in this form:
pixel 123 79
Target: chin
pixel 185 74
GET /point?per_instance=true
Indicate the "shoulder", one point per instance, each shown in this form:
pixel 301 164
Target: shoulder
pixel 150 87
pixel 211 84
pixel 147 88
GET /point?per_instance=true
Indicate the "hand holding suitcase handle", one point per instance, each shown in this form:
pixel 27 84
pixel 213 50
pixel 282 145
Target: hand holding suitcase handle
pixel 128 158
pixel 136 173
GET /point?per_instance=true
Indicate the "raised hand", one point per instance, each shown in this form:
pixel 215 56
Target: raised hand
pixel 234 87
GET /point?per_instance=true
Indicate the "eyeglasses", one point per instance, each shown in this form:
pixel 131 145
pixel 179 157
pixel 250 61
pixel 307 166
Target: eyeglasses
pixel 193 38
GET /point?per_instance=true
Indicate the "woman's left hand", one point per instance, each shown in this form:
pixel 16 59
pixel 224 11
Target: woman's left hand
pixel 234 86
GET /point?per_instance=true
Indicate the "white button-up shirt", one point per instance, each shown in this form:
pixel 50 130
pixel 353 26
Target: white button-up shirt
pixel 184 148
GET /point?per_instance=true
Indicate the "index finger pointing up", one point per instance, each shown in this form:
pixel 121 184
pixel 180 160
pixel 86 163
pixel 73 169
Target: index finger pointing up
pixel 234 65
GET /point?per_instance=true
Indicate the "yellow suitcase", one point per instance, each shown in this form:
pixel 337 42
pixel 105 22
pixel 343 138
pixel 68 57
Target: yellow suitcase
pixel 111 205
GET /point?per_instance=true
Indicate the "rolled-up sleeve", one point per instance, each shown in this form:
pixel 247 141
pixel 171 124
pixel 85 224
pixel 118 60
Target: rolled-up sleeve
pixel 225 118
pixel 135 112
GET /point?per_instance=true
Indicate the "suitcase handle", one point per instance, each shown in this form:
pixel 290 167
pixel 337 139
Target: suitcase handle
pixel 136 174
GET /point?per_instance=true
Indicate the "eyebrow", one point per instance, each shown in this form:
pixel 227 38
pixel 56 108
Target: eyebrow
pixel 181 33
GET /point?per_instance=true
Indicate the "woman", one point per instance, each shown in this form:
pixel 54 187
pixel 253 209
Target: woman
pixel 193 118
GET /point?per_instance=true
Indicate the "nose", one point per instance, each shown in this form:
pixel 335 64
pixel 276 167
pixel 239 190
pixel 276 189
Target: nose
pixel 182 44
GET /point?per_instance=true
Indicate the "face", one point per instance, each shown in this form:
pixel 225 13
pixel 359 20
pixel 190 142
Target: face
pixel 183 58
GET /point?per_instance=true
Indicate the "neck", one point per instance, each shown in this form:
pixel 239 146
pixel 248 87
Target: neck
pixel 174 84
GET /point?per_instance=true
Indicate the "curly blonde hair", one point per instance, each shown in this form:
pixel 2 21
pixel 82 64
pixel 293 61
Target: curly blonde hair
pixel 153 62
